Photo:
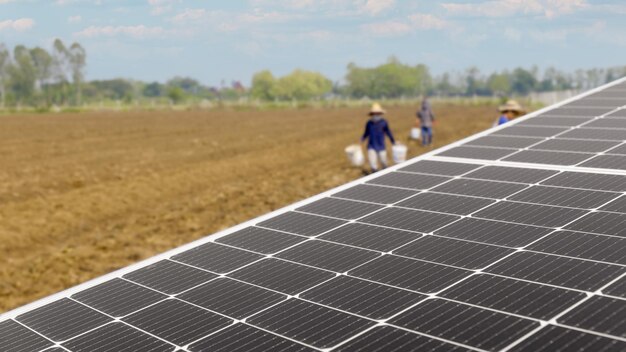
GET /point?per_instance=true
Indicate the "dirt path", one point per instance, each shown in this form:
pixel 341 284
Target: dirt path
pixel 84 194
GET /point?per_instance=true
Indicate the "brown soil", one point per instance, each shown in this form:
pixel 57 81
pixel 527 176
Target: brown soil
pixel 84 194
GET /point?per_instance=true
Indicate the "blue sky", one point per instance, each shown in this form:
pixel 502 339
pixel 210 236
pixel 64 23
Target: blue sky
pixel 230 40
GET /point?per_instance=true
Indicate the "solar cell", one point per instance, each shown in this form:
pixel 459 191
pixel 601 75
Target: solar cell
pixel 390 339
pixel 446 203
pixel 562 339
pixel 340 208
pixel 440 168
pixel 602 223
pixel 596 133
pixel 409 273
pixel 17 338
pixel 614 162
pixel 412 220
pixel 575 145
pixel 479 188
pixel 513 296
pixel 117 337
pixel 231 298
pixel 553 121
pixel 600 314
pixel 615 94
pixel 245 338
pixel 477 153
pixel 63 319
pixel 615 183
pixel 621 150
pixel 617 289
pixel 465 324
pixel 282 276
pixel 118 297
pixel 494 232
pixel 607 123
pixel 523 131
pixel 511 174
pixel 407 180
pixel 310 323
pixel 363 298
pixel 599 102
pixel 504 142
pixel 618 205
pixel 177 322
pixel 531 214
pixel 260 240
pixel 302 224
pixel 559 271
pixel 578 111
pixel 467 255
pixel 565 197
pixel 370 237
pixel 169 277
pixel 546 157
pixel 377 194
pixel 583 245
pixel 217 258
pixel 327 255
pixel 617 114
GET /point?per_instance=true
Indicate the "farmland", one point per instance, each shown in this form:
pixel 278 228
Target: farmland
pixel 82 194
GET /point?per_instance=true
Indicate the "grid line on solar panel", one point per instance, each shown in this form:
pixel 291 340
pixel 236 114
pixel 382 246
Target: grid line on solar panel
pixel 117 337
pixel 582 180
pixel 445 203
pixel 572 198
pixel 409 180
pixel 480 188
pixel 370 237
pixel 511 174
pixel 599 314
pixel 567 340
pixel 575 145
pixel 549 157
pixel 301 224
pixel 477 152
pixel 619 150
pixel 584 112
pixel 607 123
pixel 440 168
pixel 458 322
pixel 260 240
pixel 315 325
pixel 328 255
pixel 216 258
pixel 542 121
pixel 339 208
pixel 599 102
pixel 606 162
pixel 376 194
pixel 17 338
pixel 616 289
pixel 522 131
pixel 600 134
pixel 555 270
pixel 531 214
pixel 599 222
pixel 169 277
pixel 504 142
pixel 582 245
pixel 518 297
pixel 408 219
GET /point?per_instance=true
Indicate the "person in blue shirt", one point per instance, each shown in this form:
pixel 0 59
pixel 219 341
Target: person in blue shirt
pixel 375 130
pixel 508 111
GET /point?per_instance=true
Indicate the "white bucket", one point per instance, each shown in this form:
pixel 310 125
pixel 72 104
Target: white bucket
pixel 416 133
pixel 355 154
pixel 399 153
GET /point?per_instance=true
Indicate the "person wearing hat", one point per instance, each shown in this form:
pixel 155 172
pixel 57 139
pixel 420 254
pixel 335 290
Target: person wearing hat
pixel 508 111
pixel 375 130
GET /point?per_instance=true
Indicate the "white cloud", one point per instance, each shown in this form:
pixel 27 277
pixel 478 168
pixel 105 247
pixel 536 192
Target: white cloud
pixel 19 25
pixel 428 21
pixel 509 8
pixel 6 1
pixel 160 7
pixel 74 19
pixel 375 7
pixel 413 22
pixel 137 32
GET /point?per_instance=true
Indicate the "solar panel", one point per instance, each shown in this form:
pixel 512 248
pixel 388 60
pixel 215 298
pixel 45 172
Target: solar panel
pixel 511 240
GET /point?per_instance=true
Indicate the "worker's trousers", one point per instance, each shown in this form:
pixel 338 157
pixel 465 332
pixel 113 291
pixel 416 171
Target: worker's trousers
pixel 373 156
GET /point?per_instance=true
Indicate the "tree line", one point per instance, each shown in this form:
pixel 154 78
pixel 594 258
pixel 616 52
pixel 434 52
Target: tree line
pixel 42 78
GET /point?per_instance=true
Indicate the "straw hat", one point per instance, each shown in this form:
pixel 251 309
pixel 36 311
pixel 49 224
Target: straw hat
pixel 377 109
pixel 511 105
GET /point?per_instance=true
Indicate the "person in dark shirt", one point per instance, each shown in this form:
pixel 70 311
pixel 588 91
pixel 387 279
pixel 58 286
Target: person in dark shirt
pixel 375 130
pixel 426 119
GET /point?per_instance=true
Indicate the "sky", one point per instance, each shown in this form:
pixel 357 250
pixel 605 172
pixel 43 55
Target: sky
pixel 215 41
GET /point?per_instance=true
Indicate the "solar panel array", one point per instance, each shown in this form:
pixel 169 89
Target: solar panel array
pixel 510 241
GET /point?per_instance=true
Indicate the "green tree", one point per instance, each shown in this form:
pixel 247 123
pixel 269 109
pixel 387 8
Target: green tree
pixel 153 90
pixel 43 63
pixel 523 81
pixel 263 86
pixel 78 61
pixel 303 85
pixel 22 75
pixel 5 61
pixel 499 84
pixel 176 94
pixel 392 79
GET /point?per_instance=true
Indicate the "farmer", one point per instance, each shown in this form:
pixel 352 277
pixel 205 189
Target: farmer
pixel 425 119
pixel 375 130
pixel 509 111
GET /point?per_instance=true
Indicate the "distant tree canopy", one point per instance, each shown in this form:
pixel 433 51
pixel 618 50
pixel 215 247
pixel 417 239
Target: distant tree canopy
pixel 42 78
pixel 298 85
